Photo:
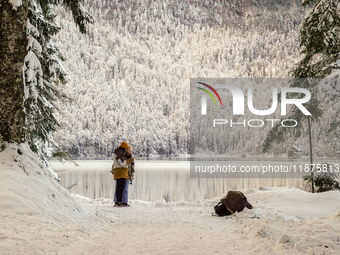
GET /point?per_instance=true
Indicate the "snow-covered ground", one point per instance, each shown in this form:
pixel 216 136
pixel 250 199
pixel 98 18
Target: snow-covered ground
pixel 38 216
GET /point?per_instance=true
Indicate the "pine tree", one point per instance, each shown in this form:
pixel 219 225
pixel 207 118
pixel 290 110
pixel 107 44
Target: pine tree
pixel 42 73
pixel 320 40
pixel 320 51
pixel 33 64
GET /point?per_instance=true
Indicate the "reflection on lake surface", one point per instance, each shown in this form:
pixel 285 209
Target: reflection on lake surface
pixel 155 180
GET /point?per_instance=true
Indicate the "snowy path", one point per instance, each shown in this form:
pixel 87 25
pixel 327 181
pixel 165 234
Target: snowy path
pixel 155 230
pixel 134 230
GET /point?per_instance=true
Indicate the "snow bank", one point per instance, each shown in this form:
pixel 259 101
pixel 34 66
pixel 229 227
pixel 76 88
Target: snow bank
pixel 288 220
pixel 28 188
pixel 293 203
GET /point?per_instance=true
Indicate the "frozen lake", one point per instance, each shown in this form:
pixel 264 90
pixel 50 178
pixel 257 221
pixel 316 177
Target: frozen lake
pixel 155 180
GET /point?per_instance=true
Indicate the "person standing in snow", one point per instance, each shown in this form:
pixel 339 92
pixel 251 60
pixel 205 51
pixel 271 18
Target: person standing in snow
pixel 120 171
pixel 131 165
pixel 131 172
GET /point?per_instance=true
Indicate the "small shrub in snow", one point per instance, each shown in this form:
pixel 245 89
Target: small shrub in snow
pixel 325 179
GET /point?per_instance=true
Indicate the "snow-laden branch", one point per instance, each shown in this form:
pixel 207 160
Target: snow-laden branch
pixel 16 3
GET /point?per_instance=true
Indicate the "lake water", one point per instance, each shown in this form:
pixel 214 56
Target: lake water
pixel 155 180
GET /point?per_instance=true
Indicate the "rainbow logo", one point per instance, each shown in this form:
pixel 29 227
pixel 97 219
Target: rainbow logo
pixel 209 93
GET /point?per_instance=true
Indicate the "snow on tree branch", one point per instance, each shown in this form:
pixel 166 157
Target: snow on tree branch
pixel 16 3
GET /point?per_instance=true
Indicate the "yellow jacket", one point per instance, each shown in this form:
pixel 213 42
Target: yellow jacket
pixel 121 172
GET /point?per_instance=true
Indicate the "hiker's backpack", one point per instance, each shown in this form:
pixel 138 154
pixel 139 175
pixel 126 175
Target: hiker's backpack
pixel 235 201
pixel 221 210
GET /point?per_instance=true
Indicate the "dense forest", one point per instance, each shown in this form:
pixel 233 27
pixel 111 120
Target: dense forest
pixel 129 77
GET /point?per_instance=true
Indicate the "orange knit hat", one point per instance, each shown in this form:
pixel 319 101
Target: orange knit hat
pixel 124 145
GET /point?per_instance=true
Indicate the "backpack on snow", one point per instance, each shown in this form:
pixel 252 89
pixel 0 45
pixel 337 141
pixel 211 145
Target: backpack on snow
pixel 221 210
pixel 234 201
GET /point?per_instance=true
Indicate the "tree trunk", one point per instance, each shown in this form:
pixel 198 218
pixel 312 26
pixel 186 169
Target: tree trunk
pixel 13 49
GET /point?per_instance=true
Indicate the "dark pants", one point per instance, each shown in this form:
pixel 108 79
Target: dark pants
pixel 120 189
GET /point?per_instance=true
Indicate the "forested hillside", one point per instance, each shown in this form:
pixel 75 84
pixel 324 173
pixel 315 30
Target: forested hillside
pixel 129 78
